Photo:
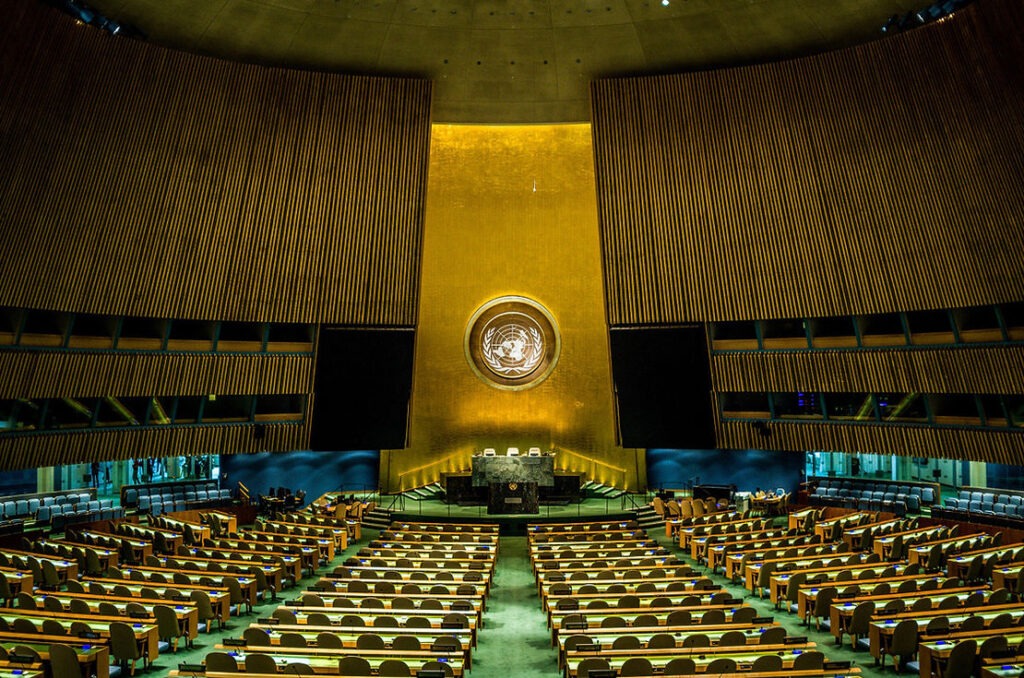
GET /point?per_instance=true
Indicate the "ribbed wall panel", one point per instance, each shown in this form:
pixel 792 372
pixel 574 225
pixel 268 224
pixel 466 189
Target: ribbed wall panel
pixel 142 181
pixel 951 370
pixel 39 374
pixel 27 451
pixel 881 178
pixel 997 447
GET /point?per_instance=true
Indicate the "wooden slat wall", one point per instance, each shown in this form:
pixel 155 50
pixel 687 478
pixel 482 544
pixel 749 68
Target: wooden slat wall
pixel 948 370
pixel 141 181
pixel 27 451
pixel 881 178
pixel 1001 448
pixel 40 374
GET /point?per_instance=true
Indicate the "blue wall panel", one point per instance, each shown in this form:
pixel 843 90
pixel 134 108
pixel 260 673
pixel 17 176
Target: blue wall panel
pixel 314 472
pixel 1005 476
pixel 747 469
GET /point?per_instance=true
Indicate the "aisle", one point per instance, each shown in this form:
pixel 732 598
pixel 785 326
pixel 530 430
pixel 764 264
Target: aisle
pixel 515 640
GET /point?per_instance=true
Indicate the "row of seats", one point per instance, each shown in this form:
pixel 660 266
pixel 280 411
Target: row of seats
pixel 60 521
pixel 975 506
pixel 898 504
pixel 853 487
pixel 160 504
pixel 168 493
pixel 27 508
pixel 1011 518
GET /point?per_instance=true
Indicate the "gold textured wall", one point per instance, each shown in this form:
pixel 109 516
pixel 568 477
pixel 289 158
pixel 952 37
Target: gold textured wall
pixel 875 179
pixel 143 181
pixel 511 211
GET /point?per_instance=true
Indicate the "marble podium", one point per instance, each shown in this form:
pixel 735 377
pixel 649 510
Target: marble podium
pixel 512 482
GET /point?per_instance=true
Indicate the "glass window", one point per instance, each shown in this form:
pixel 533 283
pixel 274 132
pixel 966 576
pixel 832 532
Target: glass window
pixel 745 406
pixel 955 409
pixel 850 406
pixel 902 407
pixel 978 324
pixel 797 405
pixel 885 329
pixel 995 414
pixel 227 409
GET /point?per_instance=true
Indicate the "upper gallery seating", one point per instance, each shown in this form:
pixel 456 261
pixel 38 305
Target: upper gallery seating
pixel 169 497
pixel 899 497
pixel 978 504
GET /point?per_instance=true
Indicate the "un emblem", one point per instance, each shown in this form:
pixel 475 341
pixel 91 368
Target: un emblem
pixel 512 343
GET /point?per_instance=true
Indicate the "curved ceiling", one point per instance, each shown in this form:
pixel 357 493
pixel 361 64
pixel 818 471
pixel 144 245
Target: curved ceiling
pixel 507 61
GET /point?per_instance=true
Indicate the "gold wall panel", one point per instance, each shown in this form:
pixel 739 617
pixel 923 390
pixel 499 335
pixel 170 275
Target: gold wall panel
pixel 880 178
pixel 27 451
pixel 990 369
pixel 510 211
pixel 1000 447
pixel 143 181
pixel 45 374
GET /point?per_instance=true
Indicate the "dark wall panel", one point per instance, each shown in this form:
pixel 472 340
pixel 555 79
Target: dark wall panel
pixel 142 181
pixel 880 178
pixel 314 472
pixel 662 387
pixel 362 389
pixel 747 469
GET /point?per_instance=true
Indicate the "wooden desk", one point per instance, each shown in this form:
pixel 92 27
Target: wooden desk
pixel 338 534
pixel 883 545
pixel 795 520
pixel 66 568
pixel 825 576
pixel 275 573
pixel 349 634
pixel 854 535
pixel 436 618
pixel 186 612
pixel 326 546
pixel 416 576
pixel 644 600
pixel 576 575
pixel 141 549
pixel 146 634
pixel 918 553
pixel 880 631
pixel 933 651
pixel 291 564
pixel 702 656
pixel 246 581
pixel 93 655
pixel 826 528
pixel 199 531
pixel 666 584
pixel 17 580
pixel 594 618
pixel 220 598
pixel 605 637
pixel 841 612
pixel 325 660
pixel 337 605
pixel 958 565
pixel 228 521
pixel 420 526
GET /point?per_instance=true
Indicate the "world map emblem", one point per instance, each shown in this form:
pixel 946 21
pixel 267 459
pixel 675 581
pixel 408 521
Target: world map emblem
pixel 512 342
